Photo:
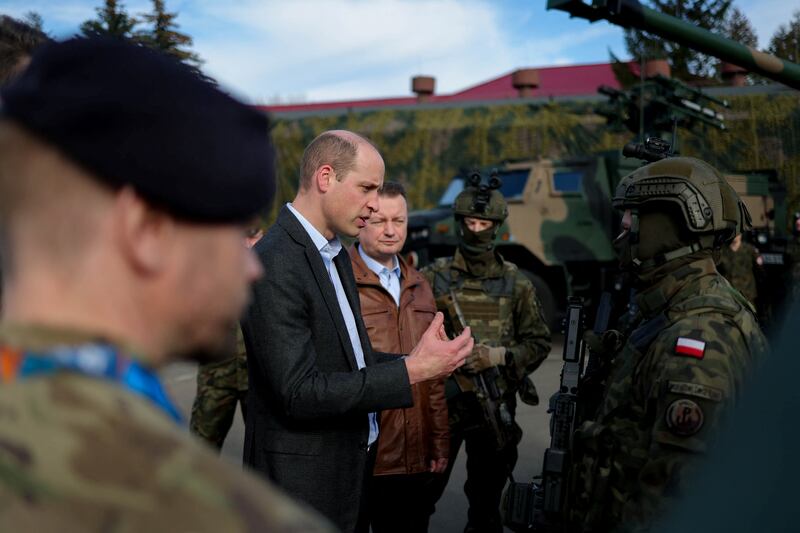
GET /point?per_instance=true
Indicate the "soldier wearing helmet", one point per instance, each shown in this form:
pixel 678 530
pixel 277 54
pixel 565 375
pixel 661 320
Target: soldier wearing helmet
pixel 477 288
pixel 676 376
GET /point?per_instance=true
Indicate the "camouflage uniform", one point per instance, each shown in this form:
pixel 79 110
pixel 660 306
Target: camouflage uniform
pixel 81 453
pixel 220 386
pixel 738 268
pixel 500 306
pixel 673 382
pixel 660 407
pixel 793 251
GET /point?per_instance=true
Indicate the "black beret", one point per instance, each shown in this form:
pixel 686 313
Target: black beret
pixel 134 116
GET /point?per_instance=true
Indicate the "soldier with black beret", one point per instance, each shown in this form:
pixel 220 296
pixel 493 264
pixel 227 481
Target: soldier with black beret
pixel 126 186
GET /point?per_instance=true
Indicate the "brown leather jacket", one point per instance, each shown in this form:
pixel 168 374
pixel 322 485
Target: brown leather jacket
pixel 409 438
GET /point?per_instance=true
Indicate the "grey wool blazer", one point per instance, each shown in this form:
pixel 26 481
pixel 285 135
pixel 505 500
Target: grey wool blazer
pixel 307 405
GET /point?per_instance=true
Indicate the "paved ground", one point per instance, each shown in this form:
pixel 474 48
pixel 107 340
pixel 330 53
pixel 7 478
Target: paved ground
pixel 451 510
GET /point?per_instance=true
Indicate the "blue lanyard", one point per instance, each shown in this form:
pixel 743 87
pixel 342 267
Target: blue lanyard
pixel 102 361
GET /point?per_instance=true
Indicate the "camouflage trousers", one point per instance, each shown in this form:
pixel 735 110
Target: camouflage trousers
pixel 487 467
pixel 220 386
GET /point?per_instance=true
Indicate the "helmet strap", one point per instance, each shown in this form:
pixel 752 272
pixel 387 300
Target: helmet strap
pixel 660 259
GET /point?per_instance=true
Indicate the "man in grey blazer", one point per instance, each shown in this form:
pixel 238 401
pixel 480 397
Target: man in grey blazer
pixel 315 382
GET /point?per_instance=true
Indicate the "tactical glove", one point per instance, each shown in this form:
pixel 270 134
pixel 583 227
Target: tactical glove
pixel 483 357
pixel 607 343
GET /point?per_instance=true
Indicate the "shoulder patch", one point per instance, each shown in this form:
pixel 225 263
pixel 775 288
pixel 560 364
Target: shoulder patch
pixel 695 389
pixel 684 417
pixel 690 347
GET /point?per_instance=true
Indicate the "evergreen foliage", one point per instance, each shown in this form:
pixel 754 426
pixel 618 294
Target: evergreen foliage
pixel 34 20
pixel 163 34
pixel 687 64
pixel 112 20
pixel 160 29
pixel 738 27
pixel 786 41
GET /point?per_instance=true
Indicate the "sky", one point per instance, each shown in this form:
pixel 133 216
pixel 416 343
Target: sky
pixel 280 51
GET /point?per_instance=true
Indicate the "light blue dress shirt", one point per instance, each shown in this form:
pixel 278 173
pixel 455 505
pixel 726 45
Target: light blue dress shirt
pixel 390 279
pixel 329 250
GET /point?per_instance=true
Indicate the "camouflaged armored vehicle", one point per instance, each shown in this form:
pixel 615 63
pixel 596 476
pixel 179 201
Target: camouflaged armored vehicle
pixel 765 197
pixel 559 228
pixel 560 225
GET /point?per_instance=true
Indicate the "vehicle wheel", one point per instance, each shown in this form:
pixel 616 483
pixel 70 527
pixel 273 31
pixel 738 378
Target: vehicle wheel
pixel 545 297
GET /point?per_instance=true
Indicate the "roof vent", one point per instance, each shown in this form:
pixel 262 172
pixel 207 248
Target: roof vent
pixel 733 75
pixel 423 87
pixel 525 80
pixel 654 67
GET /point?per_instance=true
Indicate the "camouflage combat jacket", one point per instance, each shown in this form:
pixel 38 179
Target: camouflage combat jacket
pixel 739 269
pixel 221 385
pixel 670 387
pixel 501 308
pixel 81 453
pixel 228 374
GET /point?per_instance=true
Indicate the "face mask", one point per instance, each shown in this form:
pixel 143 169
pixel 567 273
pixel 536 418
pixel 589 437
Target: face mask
pixel 477 242
pixel 477 248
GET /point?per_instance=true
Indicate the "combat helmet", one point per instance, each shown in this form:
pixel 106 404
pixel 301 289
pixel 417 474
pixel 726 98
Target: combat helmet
pixel 712 211
pixel 482 200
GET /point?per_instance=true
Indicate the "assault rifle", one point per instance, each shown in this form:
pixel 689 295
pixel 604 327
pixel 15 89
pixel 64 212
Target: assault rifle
pixel 541 504
pixel 483 385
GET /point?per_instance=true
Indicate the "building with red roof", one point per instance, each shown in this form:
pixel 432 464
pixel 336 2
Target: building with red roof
pixel 560 82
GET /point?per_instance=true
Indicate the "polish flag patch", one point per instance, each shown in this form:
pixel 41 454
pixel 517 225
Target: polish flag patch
pixel 690 347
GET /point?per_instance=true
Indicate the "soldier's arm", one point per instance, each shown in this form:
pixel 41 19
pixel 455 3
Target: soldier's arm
pixel 531 336
pixel 690 376
pixel 428 273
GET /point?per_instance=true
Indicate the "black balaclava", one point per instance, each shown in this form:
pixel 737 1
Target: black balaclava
pixel 477 247
pixel 656 230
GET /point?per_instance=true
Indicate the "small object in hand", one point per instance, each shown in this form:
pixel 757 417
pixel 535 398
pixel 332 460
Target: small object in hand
pixel 483 357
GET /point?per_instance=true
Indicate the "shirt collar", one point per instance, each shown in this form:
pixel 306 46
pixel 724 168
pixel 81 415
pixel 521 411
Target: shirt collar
pixel 319 240
pixel 376 266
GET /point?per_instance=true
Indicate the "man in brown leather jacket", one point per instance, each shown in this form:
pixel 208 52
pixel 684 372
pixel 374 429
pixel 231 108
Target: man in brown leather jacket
pixel 397 305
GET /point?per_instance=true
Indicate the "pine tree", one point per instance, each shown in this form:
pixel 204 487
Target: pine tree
pixel 687 64
pixel 738 27
pixel 34 20
pixel 164 35
pixel 112 20
pixel 786 41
